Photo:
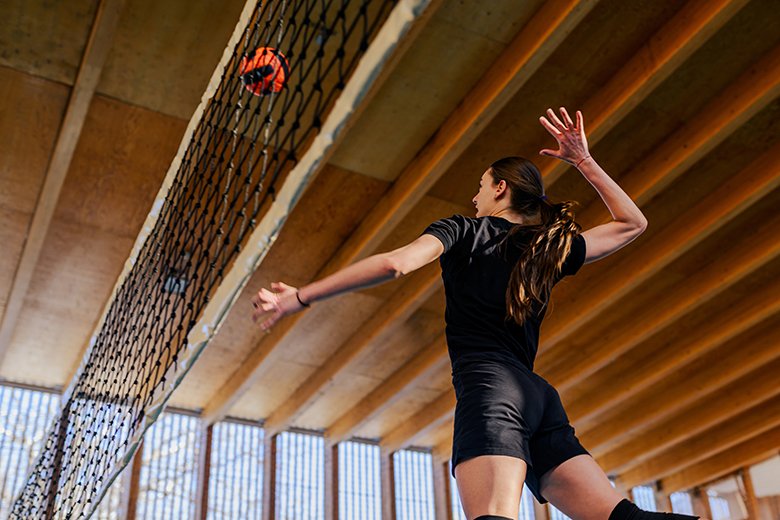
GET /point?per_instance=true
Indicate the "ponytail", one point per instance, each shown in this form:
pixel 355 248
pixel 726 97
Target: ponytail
pixel 539 266
pixel 551 227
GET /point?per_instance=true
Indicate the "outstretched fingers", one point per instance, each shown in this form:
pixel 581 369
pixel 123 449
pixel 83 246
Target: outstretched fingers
pixel 567 118
pixel 550 128
pixel 554 118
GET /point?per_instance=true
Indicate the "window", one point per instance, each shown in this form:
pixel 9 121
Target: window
pixel 413 485
pixel 236 471
pixel 644 498
pixel 681 503
pixel 169 470
pixel 526 502
pixel 725 499
pixel 300 476
pixel 25 416
pixel 360 488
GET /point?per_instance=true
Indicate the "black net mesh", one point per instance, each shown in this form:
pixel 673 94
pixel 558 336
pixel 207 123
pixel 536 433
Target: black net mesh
pixel 248 139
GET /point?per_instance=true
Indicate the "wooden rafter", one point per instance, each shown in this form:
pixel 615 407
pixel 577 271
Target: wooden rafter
pixel 714 211
pixel 674 157
pixel 740 101
pixel 753 421
pixel 722 366
pixel 663 53
pixel 401 305
pixel 678 38
pixel 712 348
pixel 751 502
pixel 427 360
pixel 713 281
pixel 428 418
pixel 92 61
pixel 520 60
pixel 757 386
pixel 756 449
pixel 639 410
pixel 667 411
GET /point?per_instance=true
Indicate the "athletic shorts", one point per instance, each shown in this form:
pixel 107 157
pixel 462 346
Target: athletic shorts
pixel 506 409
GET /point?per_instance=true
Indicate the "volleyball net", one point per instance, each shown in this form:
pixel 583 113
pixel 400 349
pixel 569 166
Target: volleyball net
pixel 289 81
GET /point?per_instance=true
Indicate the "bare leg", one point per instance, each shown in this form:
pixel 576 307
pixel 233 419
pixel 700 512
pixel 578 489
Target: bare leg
pixel 490 485
pixel 580 489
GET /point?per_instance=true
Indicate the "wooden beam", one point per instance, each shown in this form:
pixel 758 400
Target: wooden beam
pixel 269 477
pixel 704 413
pixel 331 487
pixel 655 61
pixel 746 453
pixel 135 479
pixel 740 101
pixel 428 418
pixel 751 502
pixel 670 46
pixel 701 503
pixel 519 61
pixel 92 61
pixel 204 472
pixel 760 418
pixel 713 281
pixel 709 215
pixel 678 155
pixel 541 511
pixel 387 478
pixel 441 498
pixel 427 360
pixel 401 305
pixel 690 363
pixel 723 366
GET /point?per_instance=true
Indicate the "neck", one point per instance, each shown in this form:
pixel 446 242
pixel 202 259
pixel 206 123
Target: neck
pixel 508 214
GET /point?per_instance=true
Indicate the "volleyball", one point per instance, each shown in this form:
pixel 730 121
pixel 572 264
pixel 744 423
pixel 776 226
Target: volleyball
pixel 264 70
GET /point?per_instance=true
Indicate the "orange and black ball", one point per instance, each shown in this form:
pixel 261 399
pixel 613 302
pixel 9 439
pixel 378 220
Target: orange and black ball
pixel 264 70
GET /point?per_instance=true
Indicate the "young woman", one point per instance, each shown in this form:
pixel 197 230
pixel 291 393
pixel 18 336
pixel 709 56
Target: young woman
pixel 498 270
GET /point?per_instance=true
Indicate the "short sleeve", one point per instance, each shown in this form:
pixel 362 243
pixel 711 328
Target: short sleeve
pixel 448 230
pixel 576 257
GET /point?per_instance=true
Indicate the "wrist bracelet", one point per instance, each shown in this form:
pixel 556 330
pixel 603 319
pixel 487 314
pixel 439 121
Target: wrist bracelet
pixel 581 160
pixel 301 301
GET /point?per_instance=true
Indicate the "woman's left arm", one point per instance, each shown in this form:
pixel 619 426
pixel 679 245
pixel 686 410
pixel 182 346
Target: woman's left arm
pixel 284 299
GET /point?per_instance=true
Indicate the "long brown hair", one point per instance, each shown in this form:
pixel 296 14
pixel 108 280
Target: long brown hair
pixel 552 229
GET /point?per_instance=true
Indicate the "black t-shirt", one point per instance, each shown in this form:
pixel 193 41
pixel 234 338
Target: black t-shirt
pixel 476 274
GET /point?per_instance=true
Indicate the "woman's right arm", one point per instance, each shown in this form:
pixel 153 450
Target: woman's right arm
pixel 628 222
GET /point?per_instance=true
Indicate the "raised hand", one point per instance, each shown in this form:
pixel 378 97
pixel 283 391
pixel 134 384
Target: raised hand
pixel 572 144
pixel 281 302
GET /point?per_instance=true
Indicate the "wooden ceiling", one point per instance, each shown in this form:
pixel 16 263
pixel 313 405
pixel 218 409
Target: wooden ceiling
pixel 666 354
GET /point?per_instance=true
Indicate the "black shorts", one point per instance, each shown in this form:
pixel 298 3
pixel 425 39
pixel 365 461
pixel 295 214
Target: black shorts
pixel 505 409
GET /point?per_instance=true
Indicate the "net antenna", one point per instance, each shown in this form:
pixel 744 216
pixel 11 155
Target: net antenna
pixel 247 156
